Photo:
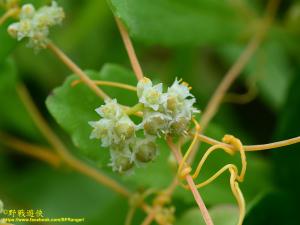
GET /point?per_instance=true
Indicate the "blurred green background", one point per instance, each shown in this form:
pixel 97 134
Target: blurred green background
pixel 197 40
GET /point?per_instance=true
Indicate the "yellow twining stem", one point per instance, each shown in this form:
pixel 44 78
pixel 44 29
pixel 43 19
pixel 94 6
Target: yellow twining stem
pixel 237 194
pixel 205 156
pixel 107 83
pixel 234 187
pixel 182 172
pixel 229 139
pixel 185 169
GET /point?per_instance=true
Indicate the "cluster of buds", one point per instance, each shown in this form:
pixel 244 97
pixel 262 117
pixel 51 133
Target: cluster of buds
pixel 34 24
pixel 167 113
pixel 118 132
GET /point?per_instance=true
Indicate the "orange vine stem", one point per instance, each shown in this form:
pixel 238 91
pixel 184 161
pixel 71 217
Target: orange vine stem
pixel 130 50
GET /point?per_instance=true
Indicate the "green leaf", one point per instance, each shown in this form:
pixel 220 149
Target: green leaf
pixel 270 68
pixel 176 22
pixel 61 194
pixel 221 215
pixel 74 107
pixel 14 117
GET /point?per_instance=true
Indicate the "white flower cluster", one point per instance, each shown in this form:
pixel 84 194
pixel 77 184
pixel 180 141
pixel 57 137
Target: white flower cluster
pixel 167 113
pixel 34 24
pixel 118 132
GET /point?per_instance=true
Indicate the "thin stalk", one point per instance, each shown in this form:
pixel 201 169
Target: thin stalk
pixel 60 148
pixel 168 192
pixel 108 83
pixel 73 67
pixel 150 217
pixel 130 215
pixel 134 109
pixel 36 151
pixel 251 148
pixel 130 50
pixel 238 66
pixel 9 13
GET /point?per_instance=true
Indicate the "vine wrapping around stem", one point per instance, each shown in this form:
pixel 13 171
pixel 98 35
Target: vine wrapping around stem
pixel 192 185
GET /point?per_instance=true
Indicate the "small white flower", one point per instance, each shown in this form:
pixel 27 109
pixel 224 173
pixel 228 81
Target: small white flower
pixel 124 128
pixel 25 29
pixel 143 84
pixel 180 90
pixel 49 15
pixel 121 161
pixel 155 123
pixel 101 128
pixel 152 96
pixel 110 110
pixel 27 11
pixel 13 29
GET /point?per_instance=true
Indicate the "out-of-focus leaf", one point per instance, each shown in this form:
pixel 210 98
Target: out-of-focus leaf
pixel 74 107
pixel 88 17
pixel 286 162
pixel 221 215
pixel 13 115
pixel 63 194
pixel 270 68
pixel 176 22
pixel 7 43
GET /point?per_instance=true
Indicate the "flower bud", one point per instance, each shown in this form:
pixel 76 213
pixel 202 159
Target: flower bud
pixel 179 126
pixel 145 151
pixel 142 84
pixel 151 96
pixel 101 128
pixel 166 215
pixel 125 128
pixel 155 123
pixel 27 11
pixel 121 161
pixel 110 110
pixel 13 30
pixel 25 29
